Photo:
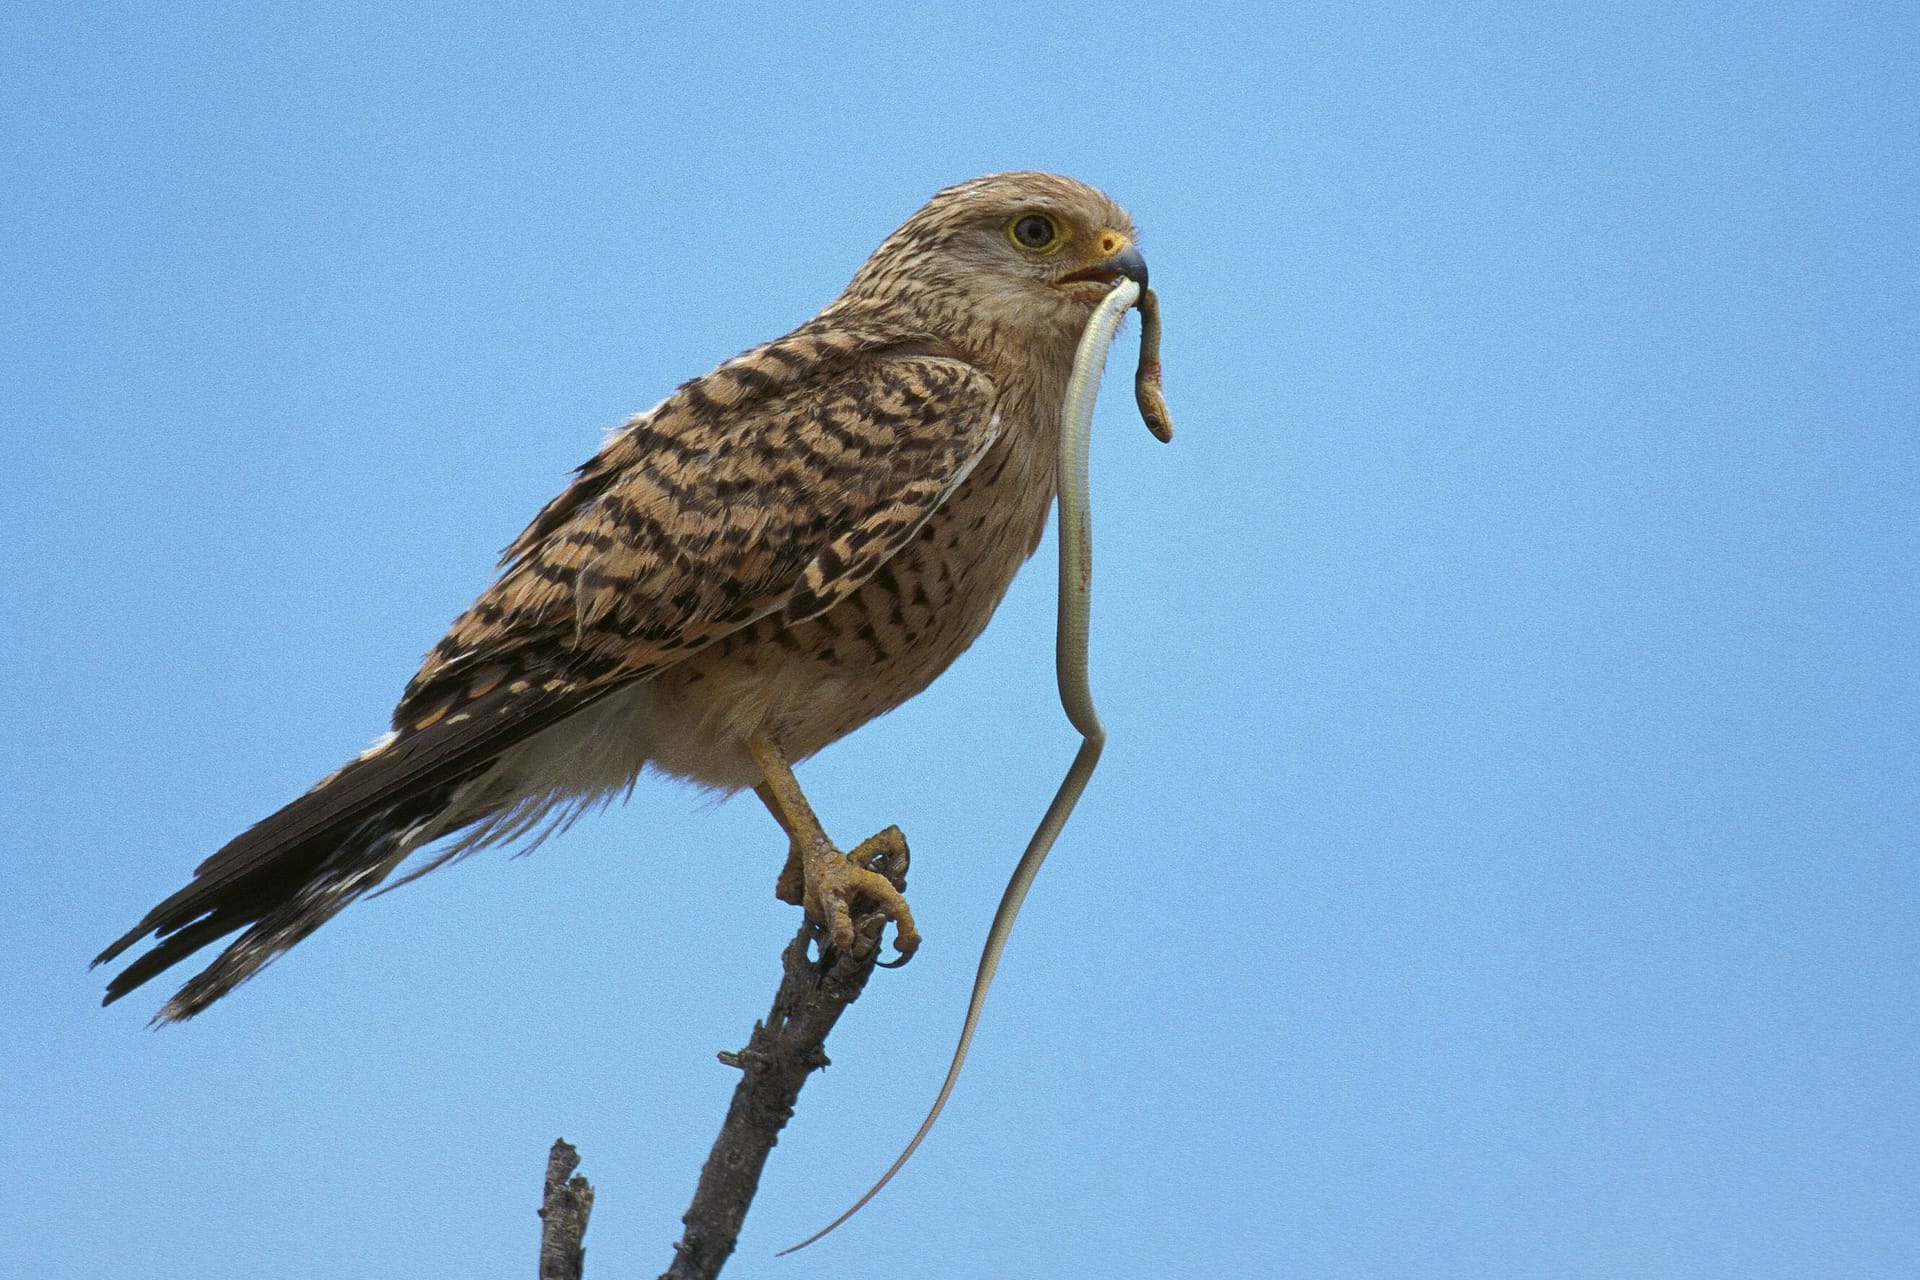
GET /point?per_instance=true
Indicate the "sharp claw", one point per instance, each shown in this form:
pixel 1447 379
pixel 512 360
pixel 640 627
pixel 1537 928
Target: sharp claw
pixel 873 875
pixel 905 943
pixel 886 854
pixel 894 859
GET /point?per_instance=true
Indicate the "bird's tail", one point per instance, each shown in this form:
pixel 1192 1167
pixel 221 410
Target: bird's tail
pixel 275 893
pixel 294 870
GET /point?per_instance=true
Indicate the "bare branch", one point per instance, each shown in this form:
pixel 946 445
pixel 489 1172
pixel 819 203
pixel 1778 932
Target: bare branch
pixel 563 1215
pixel 779 1056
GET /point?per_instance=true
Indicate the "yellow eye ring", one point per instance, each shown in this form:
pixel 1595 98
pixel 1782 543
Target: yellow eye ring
pixel 1036 233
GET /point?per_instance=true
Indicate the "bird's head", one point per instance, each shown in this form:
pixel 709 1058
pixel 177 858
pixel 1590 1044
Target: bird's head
pixel 1029 254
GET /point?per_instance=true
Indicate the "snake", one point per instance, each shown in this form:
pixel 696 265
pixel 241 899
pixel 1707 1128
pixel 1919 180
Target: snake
pixel 1071 633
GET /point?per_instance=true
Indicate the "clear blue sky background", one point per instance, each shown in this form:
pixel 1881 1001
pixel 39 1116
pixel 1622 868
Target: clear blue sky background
pixel 1503 865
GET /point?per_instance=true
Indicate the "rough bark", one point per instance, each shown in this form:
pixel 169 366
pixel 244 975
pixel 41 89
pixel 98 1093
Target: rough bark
pixel 564 1210
pixel 783 1050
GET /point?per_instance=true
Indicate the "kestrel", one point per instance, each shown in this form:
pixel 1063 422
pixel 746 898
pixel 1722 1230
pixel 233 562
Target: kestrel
pixel 777 553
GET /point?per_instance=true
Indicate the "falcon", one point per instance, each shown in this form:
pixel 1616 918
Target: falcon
pixel 777 553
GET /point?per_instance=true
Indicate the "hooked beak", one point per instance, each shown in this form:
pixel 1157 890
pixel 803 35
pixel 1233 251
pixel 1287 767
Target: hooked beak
pixel 1125 264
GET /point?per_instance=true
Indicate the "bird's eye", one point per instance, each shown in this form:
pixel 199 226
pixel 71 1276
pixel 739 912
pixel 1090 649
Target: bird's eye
pixel 1034 231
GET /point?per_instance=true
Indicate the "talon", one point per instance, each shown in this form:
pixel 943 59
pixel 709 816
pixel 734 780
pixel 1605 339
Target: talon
pixel 886 853
pixel 821 879
pixel 906 941
pixel 836 882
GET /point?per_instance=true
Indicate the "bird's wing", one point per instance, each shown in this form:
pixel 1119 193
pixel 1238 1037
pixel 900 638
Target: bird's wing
pixel 780 481
pixel 763 486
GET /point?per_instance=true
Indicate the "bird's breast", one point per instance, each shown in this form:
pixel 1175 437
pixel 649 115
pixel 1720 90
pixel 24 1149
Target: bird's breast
pixel 811 683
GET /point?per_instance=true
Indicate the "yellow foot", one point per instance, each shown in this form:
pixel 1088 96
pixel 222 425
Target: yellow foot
pixel 831 885
pixel 818 876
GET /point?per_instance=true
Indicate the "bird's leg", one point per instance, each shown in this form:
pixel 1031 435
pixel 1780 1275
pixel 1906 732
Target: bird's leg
pixel 791 886
pixel 817 875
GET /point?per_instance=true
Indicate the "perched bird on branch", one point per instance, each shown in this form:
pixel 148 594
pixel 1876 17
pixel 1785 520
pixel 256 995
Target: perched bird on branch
pixel 778 552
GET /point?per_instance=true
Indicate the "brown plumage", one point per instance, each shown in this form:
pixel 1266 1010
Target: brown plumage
pixel 778 552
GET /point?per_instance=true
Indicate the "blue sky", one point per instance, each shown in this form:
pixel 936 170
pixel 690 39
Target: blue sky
pixel 1503 861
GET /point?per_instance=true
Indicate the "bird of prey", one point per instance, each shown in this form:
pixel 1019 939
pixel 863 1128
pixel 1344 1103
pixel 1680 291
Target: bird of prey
pixel 778 552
